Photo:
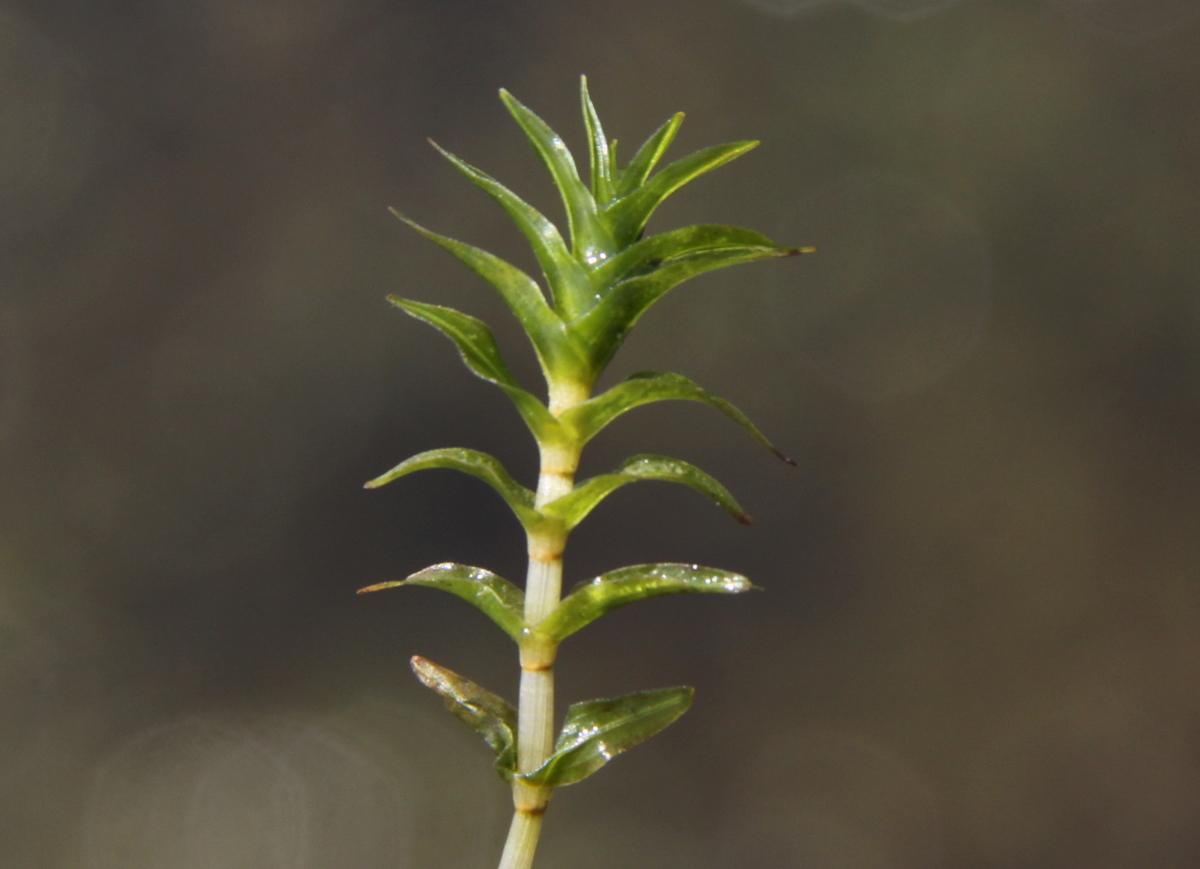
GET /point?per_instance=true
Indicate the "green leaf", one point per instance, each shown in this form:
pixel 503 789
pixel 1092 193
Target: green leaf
pixel 546 331
pixel 628 215
pixel 588 418
pixel 602 190
pixel 656 251
pixel 473 338
pixel 573 507
pixel 590 600
pixel 477 346
pixel 492 717
pixel 590 238
pixel 566 276
pixel 648 155
pixel 598 730
pixel 605 326
pixel 494 596
pixel 476 464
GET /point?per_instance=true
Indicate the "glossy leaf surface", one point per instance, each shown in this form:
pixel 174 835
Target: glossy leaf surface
pixel 522 295
pixel 648 155
pixel 590 600
pixel 602 188
pixel 605 326
pixel 476 464
pixel 494 596
pixel 657 250
pixel 628 215
pixel 598 730
pixel 564 273
pixel 590 238
pixel 489 715
pixel 574 507
pixel 588 418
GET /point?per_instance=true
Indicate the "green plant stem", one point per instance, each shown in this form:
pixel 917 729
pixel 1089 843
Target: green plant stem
pixel 535 708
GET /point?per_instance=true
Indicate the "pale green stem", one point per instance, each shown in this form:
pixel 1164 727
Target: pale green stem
pixel 535 710
pixel 522 841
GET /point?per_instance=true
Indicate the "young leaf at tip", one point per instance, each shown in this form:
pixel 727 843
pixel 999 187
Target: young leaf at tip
pixel 573 507
pixel 598 730
pixel 588 418
pixel 627 216
pixel 602 189
pixel 591 240
pixel 476 464
pixel 647 156
pixel 494 596
pixel 590 600
pixel 566 276
pixel 488 714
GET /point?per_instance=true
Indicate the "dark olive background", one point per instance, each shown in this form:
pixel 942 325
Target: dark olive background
pixel 979 640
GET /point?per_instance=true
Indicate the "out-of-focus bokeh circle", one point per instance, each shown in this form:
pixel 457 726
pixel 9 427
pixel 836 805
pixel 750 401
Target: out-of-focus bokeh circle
pixel 295 793
pixel 896 295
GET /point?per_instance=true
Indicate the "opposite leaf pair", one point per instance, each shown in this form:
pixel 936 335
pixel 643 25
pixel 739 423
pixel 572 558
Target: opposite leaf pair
pixel 594 732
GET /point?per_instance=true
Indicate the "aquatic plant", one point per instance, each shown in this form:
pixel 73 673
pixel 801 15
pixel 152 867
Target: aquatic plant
pixel 598 287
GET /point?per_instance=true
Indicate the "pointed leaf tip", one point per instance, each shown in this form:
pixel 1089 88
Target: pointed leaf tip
pixel 644 387
pixel 494 596
pixel 489 715
pixel 588 601
pixel 573 507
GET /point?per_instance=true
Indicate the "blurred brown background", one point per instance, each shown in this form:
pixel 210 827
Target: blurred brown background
pixel 978 645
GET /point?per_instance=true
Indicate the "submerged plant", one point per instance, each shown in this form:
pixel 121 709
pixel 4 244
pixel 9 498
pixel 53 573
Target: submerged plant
pixel 598 289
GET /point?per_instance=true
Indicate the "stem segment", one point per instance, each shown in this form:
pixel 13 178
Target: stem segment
pixel 543 588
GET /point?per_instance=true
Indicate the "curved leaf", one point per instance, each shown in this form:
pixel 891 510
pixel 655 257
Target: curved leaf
pixel 657 250
pixel 590 238
pixel 494 596
pixel 521 293
pixel 604 327
pixel 628 215
pixel 473 337
pixel 648 155
pixel 476 464
pixel 477 346
pixel 588 418
pixel 598 730
pixel 601 163
pixel 590 600
pixel 575 506
pixel 566 276
pixel 489 715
